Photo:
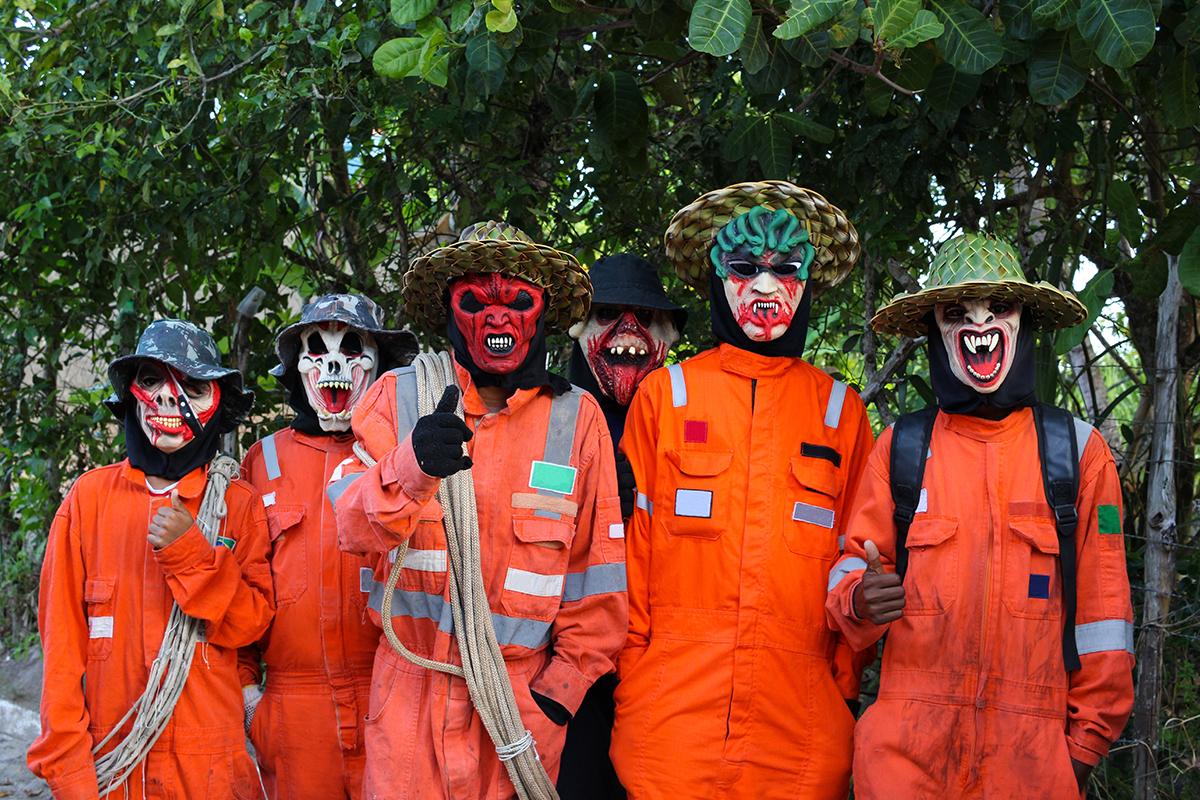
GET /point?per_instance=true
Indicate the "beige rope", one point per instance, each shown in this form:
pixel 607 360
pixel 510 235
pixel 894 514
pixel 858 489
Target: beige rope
pixel 170 669
pixel 483 667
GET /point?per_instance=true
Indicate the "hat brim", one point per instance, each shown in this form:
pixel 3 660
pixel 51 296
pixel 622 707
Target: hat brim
pixel 629 295
pixel 568 288
pixel 1053 308
pixel 693 229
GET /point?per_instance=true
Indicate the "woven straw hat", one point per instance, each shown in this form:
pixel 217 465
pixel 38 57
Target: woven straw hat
pixel 974 266
pixel 694 228
pixel 497 247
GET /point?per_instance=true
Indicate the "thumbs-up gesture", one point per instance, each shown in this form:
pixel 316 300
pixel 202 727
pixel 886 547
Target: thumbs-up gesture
pixel 879 597
pixel 169 522
pixel 437 438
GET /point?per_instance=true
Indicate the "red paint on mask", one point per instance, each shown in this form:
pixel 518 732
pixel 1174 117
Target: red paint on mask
pixel 498 317
pixel 163 416
pixel 764 312
pixel 619 374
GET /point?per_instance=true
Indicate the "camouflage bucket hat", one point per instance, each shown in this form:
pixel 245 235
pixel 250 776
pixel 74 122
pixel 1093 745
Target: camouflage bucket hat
pixel 182 345
pixel 497 247
pixel 396 348
pixel 694 228
pixel 974 266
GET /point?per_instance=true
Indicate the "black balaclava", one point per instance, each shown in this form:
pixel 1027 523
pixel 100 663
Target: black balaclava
pixel 726 329
pixel 172 466
pixel 306 420
pixel 955 397
pixel 530 374
pixel 581 375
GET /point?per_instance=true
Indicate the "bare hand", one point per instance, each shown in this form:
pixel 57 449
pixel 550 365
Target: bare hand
pixel 169 523
pixel 879 597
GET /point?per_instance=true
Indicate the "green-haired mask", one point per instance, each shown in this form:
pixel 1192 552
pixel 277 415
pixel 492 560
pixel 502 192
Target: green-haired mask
pixel 759 230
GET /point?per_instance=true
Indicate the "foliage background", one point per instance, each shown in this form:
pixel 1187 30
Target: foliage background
pixel 165 158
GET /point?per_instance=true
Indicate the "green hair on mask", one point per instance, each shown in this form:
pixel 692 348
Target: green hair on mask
pixel 761 229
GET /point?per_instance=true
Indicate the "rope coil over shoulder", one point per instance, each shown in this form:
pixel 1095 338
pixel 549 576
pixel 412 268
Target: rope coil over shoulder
pixel 170 669
pixel 483 669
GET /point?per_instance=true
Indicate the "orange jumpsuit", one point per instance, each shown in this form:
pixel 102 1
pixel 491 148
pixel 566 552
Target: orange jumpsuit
pixel 105 598
pixel 307 731
pixel 974 699
pixel 553 568
pixel 732 685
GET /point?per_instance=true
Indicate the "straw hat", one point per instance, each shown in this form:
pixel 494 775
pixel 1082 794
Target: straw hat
pixel 694 228
pixel 497 247
pixel 973 266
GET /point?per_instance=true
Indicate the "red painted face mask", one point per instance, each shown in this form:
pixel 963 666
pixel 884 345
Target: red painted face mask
pixel 624 344
pixel 498 317
pixel 164 395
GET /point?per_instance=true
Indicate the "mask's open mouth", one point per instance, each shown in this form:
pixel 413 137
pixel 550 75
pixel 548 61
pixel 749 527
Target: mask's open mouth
pixel 982 354
pixel 765 311
pixel 335 395
pixel 499 344
pixel 167 424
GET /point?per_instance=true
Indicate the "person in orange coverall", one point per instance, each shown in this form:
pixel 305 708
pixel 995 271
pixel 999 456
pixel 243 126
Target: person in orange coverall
pixel 975 699
pixel 307 726
pixel 746 458
pixel 123 549
pixel 549 523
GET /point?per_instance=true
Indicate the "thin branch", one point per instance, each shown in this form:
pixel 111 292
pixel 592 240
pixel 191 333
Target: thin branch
pixel 58 29
pixel 570 34
pixel 897 359
pixel 683 62
pixel 612 12
pixel 902 276
pixel 820 88
pixel 873 70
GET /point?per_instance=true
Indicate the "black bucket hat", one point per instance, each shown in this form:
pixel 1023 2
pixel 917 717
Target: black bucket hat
pixel 626 279
pixel 184 346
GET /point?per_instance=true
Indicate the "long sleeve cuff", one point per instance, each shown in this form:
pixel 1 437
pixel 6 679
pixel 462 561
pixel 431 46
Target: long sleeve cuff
pixel 185 552
pixel 400 467
pixel 1087 747
pixel 563 684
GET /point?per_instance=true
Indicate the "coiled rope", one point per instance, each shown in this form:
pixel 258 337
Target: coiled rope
pixel 169 671
pixel 483 664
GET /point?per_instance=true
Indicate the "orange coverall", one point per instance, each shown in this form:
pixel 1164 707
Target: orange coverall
pixel 553 569
pixel 732 685
pixel 105 598
pixel 974 698
pixel 307 731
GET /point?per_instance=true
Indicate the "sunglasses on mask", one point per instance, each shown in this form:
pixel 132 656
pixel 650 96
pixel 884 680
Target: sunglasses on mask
pixel 747 269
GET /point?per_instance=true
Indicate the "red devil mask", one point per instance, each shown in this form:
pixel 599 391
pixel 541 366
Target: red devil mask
pixel 498 318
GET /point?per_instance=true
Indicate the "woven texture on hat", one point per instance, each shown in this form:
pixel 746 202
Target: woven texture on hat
pixel 497 247
pixel 694 228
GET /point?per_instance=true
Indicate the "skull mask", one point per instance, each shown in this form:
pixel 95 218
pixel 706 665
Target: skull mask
pixel 623 344
pixel 337 365
pixel 171 407
pixel 980 338
pixel 498 317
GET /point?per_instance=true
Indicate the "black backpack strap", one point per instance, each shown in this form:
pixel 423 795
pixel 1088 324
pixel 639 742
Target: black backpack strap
pixel 1059 454
pixel 910 444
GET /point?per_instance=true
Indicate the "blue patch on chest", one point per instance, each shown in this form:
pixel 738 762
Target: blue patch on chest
pixel 1039 586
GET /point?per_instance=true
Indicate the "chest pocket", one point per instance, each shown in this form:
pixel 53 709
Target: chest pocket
pixel 696 493
pixel 533 583
pixel 98 594
pixel 1031 574
pixel 425 562
pixel 931 583
pixel 289 553
pixel 810 528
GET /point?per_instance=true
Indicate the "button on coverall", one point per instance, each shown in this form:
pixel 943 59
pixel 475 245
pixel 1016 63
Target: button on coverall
pixel 105 598
pixel 553 570
pixel 974 700
pixel 307 731
pixel 732 684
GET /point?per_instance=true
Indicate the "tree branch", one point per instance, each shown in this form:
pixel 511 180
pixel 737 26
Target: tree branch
pixel 894 362
pixel 570 34
pixel 873 70
pixel 683 62
pixel 902 276
pixel 820 88
pixel 58 29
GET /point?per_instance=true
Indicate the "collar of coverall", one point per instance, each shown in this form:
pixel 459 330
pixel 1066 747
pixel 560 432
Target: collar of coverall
pixel 751 365
pixel 190 486
pixel 473 404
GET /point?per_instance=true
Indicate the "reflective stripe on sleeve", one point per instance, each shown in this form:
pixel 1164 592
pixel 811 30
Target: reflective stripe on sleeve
pixel 271 457
pixel 678 385
pixel 1083 432
pixel 644 504
pixel 1103 636
pixel 597 579
pixel 335 490
pixel 833 413
pixel 844 568
pixel 534 583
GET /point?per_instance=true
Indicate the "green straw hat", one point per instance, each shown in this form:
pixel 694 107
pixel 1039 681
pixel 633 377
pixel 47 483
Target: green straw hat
pixel 974 266
pixel 496 247
pixel 694 228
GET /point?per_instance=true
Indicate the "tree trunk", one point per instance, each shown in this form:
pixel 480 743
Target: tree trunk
pixel 1160 540
pixel 239 354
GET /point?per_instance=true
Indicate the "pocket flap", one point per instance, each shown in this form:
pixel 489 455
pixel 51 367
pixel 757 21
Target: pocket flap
pixel 431 512
pixel 280 518
pixel 1040 533
pixel 928 531
pixel 536 530
pixel 701 464
pixel 98 590
pixel 818 474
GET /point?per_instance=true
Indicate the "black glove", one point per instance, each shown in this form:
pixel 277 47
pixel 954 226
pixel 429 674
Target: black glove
pixel 553 710
pixel 626 485
pixel 437 438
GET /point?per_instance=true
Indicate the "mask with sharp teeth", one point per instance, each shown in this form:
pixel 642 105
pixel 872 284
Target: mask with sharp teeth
pixel 623 344
pixel 337 364
pixel 980 339
pixel 497 316
pixel 172 408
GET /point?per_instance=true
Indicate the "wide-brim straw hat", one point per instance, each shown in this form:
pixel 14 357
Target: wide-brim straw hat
pixel 694 228
pixel 497 247
pixel 971 267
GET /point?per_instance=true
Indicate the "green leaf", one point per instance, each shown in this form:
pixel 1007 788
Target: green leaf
pixel 664 22
pixel 435 61
pixel 561 99
pixel 950 90
pixel 501 21
pixel 1094 296
pixel 754 51
pixel 484 54
pixel 1123 202
pixel 1017 16
pixel 812 49
pixel 167 30
pixel 805 15
pixel 406 11
pixel 621 112
pixel 399 58
pixel 878 96
pixel 541 31
pixel 1054 77
pixel 1179 225
pixel 925 26
pixel 1120 31
pixel 800 125
pixel 1189 264
pixel 968 43
pixel 670 89
pixel 890 17
pixel 844 30
pixel 1187 30
pixel 1180 103
pixel 774 151
pixel 742 139
pixel 717 27
pixel 312 8
pixel 1058 15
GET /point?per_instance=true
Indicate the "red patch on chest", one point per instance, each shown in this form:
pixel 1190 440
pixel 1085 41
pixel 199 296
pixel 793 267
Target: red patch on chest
pixel 695 431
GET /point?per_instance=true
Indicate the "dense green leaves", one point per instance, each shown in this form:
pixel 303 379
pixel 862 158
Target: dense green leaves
pixel 621 112
pixel 969 43
pixel 890 17
pixel 717 26
pixel 1054 77
pixel 924 26
pixel 805 15
pixel 1121 32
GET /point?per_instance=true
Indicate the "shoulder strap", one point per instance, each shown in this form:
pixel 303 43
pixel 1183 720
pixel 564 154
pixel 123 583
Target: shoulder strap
pixel 910 444
pixel 1058 452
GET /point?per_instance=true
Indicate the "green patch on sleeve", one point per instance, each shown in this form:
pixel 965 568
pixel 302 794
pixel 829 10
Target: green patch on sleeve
pixel 1109 519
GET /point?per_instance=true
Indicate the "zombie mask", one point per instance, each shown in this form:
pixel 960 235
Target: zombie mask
pixel 172 408
pixel 623 344
pixel 980 338
pixel 337 362
pixel 497 316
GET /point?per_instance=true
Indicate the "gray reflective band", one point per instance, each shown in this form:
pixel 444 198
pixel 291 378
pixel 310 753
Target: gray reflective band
pixel 1104 636
pixel 598 579
pixel 841 542
pixel 334 490
pixel 406 401
pixel 547 514
pixel 803 512
pixel 678 385
pixel 1082 432
pixel 560 429
pixel 844 568
pixel 271 457
pixel 833 412
pixel 644 504
pixel 366 578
